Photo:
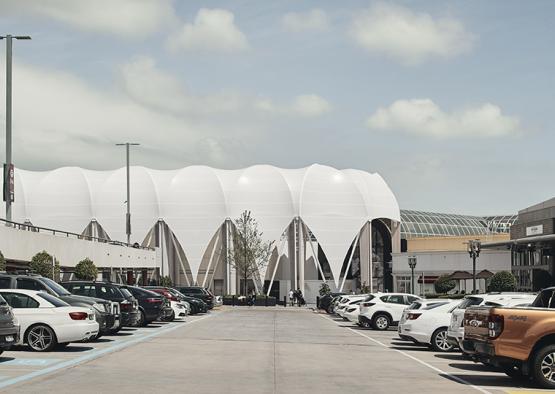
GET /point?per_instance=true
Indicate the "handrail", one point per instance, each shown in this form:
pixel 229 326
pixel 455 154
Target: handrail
pixel 37 229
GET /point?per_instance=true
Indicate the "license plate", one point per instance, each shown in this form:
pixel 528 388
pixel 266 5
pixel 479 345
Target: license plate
pixel 8 338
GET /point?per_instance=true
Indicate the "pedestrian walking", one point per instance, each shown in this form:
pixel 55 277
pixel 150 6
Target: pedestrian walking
pixel 300 298
pixel 291 297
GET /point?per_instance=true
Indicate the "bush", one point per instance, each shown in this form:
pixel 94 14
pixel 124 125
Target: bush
pixel 86 270
pixel 444 284
pixel 2 262
pixel 166 281
pixel 324 289
pixel 502 281
pixel 41 264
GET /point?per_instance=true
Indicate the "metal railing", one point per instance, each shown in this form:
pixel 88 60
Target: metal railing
pixel 37 229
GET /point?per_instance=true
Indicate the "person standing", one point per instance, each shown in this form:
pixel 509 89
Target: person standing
pixel 291 295
pixel 300 298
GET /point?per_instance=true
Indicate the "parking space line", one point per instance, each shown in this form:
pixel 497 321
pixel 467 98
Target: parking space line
pixel 95 354
pixel 441 372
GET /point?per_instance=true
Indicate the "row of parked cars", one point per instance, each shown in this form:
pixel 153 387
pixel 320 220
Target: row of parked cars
pixel 514 332
pixel 44 314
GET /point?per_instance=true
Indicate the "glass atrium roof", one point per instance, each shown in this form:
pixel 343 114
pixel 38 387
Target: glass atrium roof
pixel 416 224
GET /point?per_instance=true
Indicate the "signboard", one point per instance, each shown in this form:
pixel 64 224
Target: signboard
pixel 9 183
pixel 534 230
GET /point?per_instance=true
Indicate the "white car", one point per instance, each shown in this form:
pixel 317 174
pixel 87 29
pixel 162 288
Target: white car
pixel 428 323
pixel 347 300
pixel 455 333
pixel 46 321
pixel 351 312
pixel 179 308
pixel 381 310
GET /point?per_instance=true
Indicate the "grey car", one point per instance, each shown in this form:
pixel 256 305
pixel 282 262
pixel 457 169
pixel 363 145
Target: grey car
pixel 9 331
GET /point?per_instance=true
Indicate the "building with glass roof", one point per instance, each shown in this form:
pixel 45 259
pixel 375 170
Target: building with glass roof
pixel 417 224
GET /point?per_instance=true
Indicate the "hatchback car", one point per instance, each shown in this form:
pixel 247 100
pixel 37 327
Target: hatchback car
pixel 179 307
pixel 9 330
pixel 46 321
pixel 106 317
pixel 198 292
pixel 151 305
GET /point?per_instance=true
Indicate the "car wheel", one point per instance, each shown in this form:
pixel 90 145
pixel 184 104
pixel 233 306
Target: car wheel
pixel 381 322
pixel 142 319
pixel 170 317
pixel 366 324
pixel 439 341
pixel 513 371
pixel 330 310
pixel 543 367
pixel 41 338
pixel 115 330
pixel 97 336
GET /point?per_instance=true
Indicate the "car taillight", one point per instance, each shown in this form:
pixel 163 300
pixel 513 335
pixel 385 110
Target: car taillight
pixel 367 304
pixel 154 300
pixel 78 315
pixel 495 326
pixel 126 306
pixel 413 316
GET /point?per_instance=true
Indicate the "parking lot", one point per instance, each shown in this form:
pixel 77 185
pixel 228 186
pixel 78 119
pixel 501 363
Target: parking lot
pixel 250 350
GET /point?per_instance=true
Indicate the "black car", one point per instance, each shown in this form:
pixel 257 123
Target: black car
pixel 9 331
pixel 128 305
pixel 151 304
pixel 198 292
pixel 105 316
pixel 326 302
pixel 197 305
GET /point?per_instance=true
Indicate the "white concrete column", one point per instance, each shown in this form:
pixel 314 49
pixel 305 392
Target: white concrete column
pixel 395 237
pixel 365 254
pixel 301 254
pixel 292 254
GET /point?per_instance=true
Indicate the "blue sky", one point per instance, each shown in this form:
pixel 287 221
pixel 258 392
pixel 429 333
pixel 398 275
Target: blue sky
pixel 450 102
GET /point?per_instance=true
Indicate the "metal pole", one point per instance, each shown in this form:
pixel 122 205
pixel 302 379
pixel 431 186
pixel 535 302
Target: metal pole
pixel 128 216
pixel 412 280
pixel 8 125
pixel 474 273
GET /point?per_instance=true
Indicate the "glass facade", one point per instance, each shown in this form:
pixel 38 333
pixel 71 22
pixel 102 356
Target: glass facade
pixel 415 224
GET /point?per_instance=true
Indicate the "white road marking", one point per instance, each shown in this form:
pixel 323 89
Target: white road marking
pixel 456 378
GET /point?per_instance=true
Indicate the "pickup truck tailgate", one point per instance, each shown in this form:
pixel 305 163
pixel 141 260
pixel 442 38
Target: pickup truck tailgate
pixel 476 323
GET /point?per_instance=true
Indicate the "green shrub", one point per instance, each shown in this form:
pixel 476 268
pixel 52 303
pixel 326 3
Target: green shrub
pixel 444 284
pixel 86 270
pixel 324 289
pixel 502 281
pixel 166 281
pixel 41 264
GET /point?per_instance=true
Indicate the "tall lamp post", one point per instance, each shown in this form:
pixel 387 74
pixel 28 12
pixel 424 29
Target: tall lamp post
pixel 128 215
pixel 412 265
pixel 8 166
pixel 474 247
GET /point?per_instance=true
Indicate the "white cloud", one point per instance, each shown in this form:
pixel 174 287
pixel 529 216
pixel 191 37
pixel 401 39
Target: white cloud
pixel 311 105
pixel 423 117
pixel 128 18
pixel 315 19
pixel 212 30
pixel 409 36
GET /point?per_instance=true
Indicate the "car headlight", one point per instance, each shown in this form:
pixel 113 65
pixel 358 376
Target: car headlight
pixel 100 307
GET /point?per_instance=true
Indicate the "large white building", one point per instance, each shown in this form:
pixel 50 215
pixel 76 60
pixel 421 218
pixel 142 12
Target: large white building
pixel 324 221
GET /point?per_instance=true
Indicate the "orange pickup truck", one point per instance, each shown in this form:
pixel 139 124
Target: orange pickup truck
pixel 519 340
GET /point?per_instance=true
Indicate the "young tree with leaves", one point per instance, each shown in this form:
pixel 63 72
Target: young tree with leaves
pixel 42 263
pixel 250 253
pixel 86 270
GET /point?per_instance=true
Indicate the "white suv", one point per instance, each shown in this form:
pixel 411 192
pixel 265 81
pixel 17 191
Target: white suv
pixel 455 333
pixel 381 310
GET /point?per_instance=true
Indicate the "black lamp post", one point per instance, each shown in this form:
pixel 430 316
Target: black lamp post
pixel 474 247
pixel 412 265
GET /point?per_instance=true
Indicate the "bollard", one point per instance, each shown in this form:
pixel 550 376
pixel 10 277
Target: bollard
pixel 317 302
pixel 284 301
pixel 233 300
pixel 266 301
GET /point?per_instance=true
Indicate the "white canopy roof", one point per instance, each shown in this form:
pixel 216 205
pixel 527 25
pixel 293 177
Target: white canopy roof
pixel 196 200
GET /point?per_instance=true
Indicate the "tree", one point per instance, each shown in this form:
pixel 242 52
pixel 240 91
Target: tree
pixel 250 253
pixel 444 284
pixel 502 281
pixel 166 281
pixel 2 262
pixel 41 264
pixel 86 270
pixel 324 289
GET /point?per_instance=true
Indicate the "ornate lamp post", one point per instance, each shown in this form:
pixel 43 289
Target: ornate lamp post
pixel 474 247
pixel 412 265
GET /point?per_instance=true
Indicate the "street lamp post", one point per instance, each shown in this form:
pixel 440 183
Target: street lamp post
pixel 128 214
pixel 474 247
pixel 8 167
pixel 412 265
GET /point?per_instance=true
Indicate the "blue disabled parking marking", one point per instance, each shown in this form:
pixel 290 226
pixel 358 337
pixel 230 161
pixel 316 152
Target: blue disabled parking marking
pixel 93 354
pixel 32 362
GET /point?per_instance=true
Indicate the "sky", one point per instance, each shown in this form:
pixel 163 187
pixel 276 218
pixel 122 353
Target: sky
pixel 450 101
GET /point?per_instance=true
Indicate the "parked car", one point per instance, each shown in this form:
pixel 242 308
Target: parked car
pixel 381 310
pixel 520 340
pixel 197 305
pixel 455 333
pixel 352 311
pixel 326 302
pixel 46 321
pixel 9 329
pixel 105 314
pixel 128 305
pixel 427 323
pixel 198 292
pixel 352 302
pixel 346 300
pixel 151 305
pixel 179 307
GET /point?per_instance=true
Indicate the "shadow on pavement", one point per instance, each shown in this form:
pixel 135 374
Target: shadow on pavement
pixel 102 340
pixel 475 367
pixel 457 357
pixel 5 359
pixel 408 348
pixel 489 380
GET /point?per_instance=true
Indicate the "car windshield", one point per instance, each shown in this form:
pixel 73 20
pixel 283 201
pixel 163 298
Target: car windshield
pixel 415 305
pixel 53 300
pixel 545 299
pixel 434 305
pixel 470 301
pixel 126 293
pixel 55 287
